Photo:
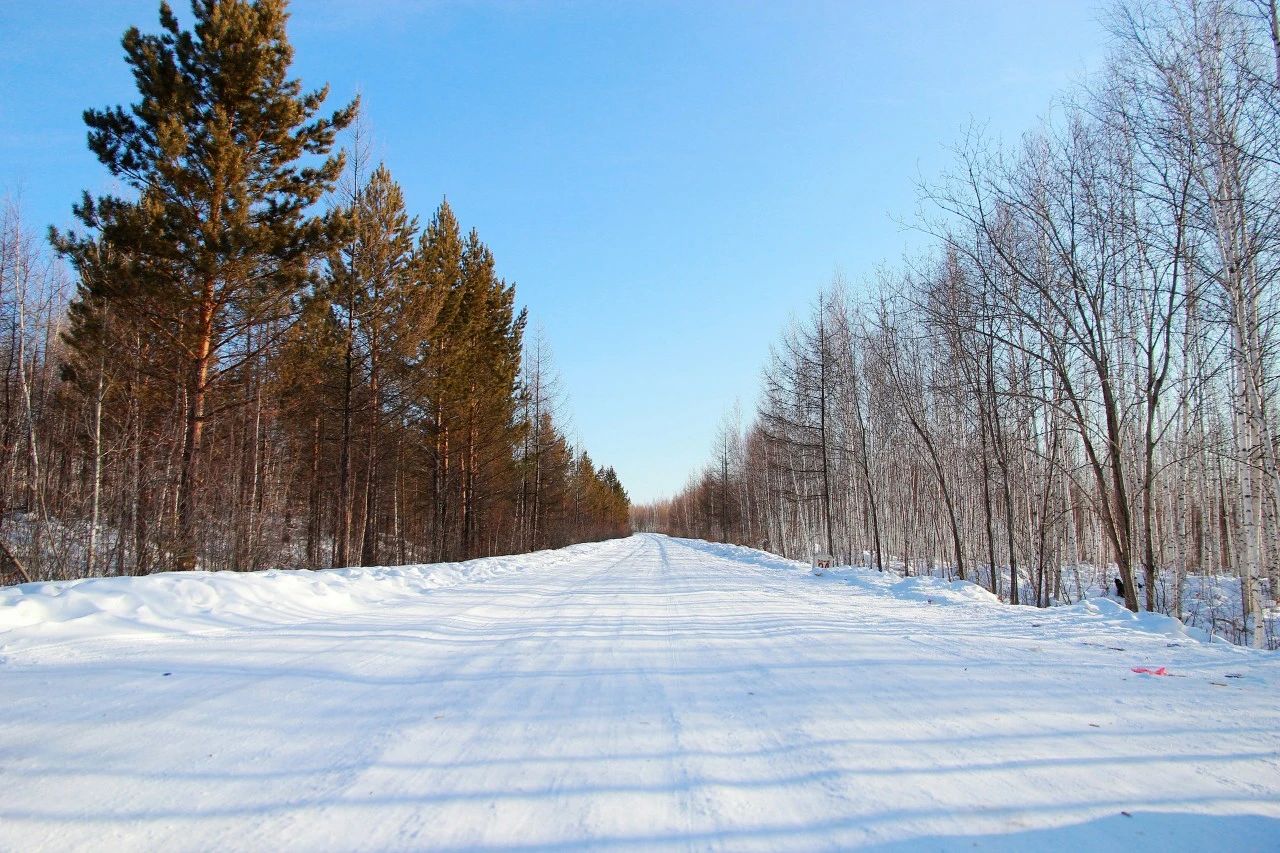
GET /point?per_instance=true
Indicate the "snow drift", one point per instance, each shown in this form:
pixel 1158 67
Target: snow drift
pixel 189 602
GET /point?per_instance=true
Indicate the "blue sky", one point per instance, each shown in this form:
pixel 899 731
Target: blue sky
pixel 666 183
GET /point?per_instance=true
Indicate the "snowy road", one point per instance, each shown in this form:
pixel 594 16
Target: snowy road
pixel 644 694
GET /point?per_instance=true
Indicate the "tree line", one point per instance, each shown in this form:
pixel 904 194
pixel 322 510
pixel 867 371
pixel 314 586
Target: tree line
pixel 1080 371
pixel 258 356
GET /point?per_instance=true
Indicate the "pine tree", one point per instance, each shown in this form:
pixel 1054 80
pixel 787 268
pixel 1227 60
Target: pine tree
pixel 219 238
pixel 486 372
pixel 440 272
pixel 365 285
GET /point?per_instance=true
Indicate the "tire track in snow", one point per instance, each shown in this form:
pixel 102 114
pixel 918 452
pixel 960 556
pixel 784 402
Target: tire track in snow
pixel 653 694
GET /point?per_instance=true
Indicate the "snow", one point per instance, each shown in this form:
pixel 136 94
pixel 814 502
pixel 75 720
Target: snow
pixel 644 693
pixel 187 602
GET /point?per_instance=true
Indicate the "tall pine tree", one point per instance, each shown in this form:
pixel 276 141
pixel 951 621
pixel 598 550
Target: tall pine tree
pixel 219 237
pixel 366 286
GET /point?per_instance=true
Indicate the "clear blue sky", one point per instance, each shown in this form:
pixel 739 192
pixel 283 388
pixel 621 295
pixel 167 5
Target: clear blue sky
pixel 666 182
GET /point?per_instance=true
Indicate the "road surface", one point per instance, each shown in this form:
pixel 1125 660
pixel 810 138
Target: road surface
pixel 646 693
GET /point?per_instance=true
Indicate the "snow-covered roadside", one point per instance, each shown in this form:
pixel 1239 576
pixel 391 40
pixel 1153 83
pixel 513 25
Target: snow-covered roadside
pixel 176 603
pixel 1095 607
pixel 191 602
pixel 1097 611
pixel 929 589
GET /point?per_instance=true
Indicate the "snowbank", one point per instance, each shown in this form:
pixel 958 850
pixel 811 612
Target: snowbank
pixel 935 590
pixel 930 589
pixel 183 602
pixel 924 588
pixel 1110 612
pixel 171 603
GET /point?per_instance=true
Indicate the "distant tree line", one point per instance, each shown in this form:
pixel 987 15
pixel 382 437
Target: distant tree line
pixel 1084 370
pixel 266 361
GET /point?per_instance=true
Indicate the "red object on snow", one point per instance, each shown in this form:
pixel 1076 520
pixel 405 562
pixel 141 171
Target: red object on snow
pixel 1146 670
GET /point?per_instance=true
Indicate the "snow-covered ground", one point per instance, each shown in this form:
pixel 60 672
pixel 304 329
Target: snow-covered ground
pixel 646 693
pixel 1211 603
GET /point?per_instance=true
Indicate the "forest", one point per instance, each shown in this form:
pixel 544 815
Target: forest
pixel 1075 382
pixel 255 356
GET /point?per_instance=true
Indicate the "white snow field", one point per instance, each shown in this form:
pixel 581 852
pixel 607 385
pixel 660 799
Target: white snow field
pixel 641 694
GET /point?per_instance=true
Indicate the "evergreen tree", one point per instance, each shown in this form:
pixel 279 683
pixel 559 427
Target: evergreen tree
pixel 365 287
pixel 487 371
pixel 219 238
pixel 440 269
